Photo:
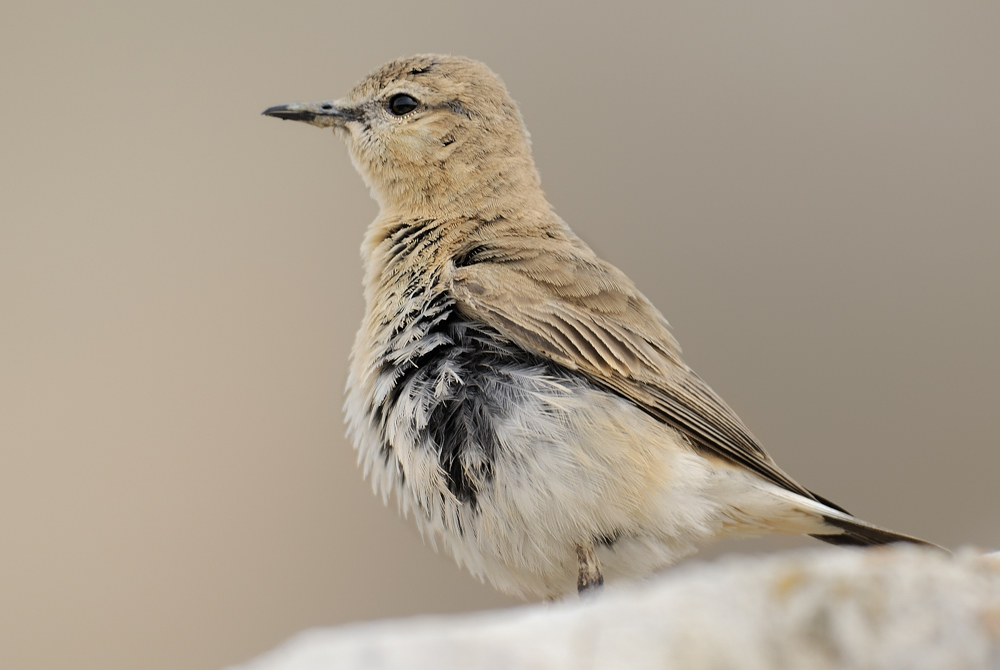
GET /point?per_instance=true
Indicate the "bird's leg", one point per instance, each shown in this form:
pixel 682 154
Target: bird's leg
pixel 590 579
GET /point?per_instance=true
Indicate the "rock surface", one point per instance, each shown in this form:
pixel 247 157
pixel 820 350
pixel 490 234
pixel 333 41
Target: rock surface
pixel 902 608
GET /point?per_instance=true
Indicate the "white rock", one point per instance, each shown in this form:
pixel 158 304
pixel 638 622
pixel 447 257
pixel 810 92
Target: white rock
pixel 899 608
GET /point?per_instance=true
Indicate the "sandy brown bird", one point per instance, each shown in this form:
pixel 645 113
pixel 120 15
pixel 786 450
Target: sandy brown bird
pixel 517 394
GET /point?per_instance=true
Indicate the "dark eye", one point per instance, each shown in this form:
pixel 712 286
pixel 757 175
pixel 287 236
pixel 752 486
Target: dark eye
pixel 402 104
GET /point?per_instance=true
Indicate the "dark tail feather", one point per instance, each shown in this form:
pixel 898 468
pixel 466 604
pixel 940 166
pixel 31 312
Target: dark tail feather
pixel 859 533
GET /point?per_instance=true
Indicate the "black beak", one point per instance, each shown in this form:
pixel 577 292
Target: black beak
pixel 289 112
pixel 317 113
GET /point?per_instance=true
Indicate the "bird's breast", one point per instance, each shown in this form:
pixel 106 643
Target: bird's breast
pixel 428 394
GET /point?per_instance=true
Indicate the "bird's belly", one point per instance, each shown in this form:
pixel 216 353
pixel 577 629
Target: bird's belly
pixel 578 467
pixel 512 464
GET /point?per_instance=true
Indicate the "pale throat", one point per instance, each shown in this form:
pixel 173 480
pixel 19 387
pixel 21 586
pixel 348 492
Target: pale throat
pixel 487 192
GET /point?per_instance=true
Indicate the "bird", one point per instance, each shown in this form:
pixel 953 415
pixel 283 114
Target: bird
pixel 514 392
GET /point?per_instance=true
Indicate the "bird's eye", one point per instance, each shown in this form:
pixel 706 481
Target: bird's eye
pixel 402 104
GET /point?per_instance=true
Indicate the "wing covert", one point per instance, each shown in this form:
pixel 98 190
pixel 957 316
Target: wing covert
pixel 565 304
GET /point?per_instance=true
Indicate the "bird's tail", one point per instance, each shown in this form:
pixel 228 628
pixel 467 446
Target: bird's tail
pixel 855 532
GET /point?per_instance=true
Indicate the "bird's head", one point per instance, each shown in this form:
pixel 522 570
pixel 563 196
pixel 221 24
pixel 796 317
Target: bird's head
pixel 432 136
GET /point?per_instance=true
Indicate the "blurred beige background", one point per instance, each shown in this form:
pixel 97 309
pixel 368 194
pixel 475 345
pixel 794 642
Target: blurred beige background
pixel 809 191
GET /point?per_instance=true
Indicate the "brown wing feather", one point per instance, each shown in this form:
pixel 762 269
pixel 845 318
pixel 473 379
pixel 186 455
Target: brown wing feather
pixel 566 304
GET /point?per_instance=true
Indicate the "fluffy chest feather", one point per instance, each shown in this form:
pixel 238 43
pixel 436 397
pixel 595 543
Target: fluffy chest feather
pixel 427 388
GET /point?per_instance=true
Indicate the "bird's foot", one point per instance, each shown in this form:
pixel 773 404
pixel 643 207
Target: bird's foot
pixel 590 579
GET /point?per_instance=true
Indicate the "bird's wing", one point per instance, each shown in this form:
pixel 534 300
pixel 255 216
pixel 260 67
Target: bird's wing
pixel 560 301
